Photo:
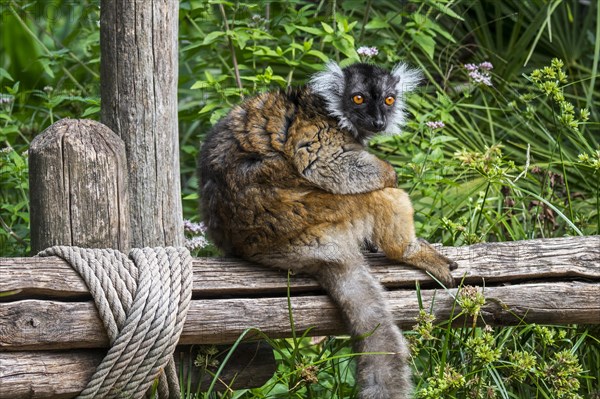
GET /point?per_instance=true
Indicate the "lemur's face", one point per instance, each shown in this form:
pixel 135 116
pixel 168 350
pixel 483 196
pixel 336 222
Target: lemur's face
pixel 365 98
pixel 369 98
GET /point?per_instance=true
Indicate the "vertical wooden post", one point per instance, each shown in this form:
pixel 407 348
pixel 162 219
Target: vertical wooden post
pixel 138 77
pixel 78 187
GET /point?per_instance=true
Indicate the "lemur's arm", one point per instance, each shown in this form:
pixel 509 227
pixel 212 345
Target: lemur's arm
pixel 340 168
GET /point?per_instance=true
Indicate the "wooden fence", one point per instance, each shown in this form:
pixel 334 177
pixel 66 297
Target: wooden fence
pixel 51 336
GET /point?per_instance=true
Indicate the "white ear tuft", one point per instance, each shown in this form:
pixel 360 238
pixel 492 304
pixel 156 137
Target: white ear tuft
pixel 328 82
pixel 408 78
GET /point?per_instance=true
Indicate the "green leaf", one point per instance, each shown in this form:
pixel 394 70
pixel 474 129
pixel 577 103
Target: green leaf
pixel 312 31
pixel 327 28
pixel 263 50
pixel 46 66
pixel 192 46
pixel 56 100
pixel 442 139
pixel 90 111
pixel 377 23
pixel 241 37
pixel 318 54
pixel 5 75
pixel 297 46
pixel 200 84
pixel 212 37
pixel 289 28
pixel 209 107
pixel 437 28
pixel 217 115
pixel 426 42
pixel 445 10
pixel 209 77
pixel 13 90
pixel 189 149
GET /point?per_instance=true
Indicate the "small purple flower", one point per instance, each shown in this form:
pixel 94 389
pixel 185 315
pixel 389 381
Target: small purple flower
pixel 194 243
pixel 194 228
pixel 470 67
pixel 6 99
pixel 486 66
pixel 480 73
pixel 435 124
pixel 368 52
pixel 479 77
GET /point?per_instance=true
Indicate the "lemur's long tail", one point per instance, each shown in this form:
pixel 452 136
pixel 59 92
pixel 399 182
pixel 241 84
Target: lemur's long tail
pixel 355 290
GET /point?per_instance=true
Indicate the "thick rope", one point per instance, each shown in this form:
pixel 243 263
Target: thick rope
pixel 142 301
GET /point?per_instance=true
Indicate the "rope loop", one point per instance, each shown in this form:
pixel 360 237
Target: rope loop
pixel 142 300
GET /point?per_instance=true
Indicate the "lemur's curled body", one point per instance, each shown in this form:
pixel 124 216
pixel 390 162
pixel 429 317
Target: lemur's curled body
pixel 287 182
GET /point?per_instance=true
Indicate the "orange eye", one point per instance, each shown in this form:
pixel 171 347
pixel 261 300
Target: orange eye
pixel 358 99
pixel 390 100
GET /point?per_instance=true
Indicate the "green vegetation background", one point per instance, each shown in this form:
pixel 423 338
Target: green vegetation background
pixel 515 157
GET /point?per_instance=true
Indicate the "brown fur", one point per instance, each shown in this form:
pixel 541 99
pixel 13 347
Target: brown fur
pixel 283 185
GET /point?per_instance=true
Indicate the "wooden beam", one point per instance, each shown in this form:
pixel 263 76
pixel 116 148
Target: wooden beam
pixel 40 325
pixel 492 263
pixel 35 324
pixel 64 374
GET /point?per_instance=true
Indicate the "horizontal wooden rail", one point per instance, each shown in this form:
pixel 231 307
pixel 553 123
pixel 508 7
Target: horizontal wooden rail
pixel 64 374
pixel 49 310
pixel 492 263
pixel 39 325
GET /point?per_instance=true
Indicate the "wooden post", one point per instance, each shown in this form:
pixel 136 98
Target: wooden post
pixel 78 187
pixel 138 77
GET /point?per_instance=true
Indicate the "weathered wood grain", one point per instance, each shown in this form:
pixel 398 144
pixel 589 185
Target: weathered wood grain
pixel 55 375
pixel 138 87
pixel 78 187
pixel 64 374
pixel 53 309
pixel 557 258
pixel 38 324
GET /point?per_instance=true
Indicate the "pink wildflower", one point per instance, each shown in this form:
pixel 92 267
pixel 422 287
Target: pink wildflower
pixel 480 73
pixel 368 52
pixel 435 124
pixel 486 65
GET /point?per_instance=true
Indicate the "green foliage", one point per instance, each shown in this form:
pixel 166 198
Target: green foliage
pixel 14 207
pixel 503 144
pixel 49 54
pixel 526 361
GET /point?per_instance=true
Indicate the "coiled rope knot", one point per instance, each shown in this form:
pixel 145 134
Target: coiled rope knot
pixel 142 300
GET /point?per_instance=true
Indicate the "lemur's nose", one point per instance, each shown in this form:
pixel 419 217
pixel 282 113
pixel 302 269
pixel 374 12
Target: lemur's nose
pixel 379 124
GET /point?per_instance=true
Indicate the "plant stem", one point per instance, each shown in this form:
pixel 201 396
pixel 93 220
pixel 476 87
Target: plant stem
pixel 236 68
pixel 365 21
pixel 487 189
pixel 11 232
